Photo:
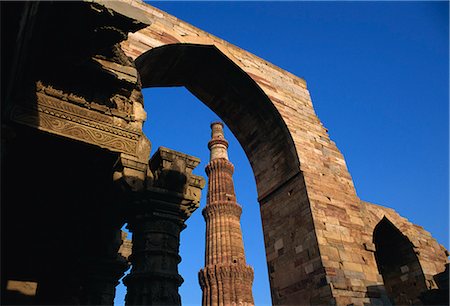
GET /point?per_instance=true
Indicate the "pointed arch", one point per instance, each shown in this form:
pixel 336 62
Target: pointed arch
pixel 398 264
pixel 235 97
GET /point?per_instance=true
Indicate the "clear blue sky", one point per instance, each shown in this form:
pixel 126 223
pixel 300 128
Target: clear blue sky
pixel 378 74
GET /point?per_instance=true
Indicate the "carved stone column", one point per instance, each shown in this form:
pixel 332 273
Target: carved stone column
pixel 156 219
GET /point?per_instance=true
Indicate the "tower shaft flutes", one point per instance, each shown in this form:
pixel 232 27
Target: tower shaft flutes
pixel 226 278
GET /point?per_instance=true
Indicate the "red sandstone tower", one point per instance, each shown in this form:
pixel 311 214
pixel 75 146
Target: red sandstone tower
pixel 226 278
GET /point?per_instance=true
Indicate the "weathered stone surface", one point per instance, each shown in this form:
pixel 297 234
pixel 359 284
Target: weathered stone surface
pixel 226 279
pixel 323 244
pixel 94 101
pixel 312 218
pixel 156 216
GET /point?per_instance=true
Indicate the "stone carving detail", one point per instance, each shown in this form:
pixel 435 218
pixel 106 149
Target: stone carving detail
pixel 61 72
pixel 226 279
pixel 73 103
pixel 99 107
pixel 224 208
pixel 63 125
pixel 167 195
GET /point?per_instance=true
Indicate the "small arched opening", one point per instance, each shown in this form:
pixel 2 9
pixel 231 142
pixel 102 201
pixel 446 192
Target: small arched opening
pixel 398 264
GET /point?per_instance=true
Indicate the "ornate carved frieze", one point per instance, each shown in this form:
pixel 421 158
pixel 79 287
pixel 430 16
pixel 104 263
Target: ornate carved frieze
pixel 66 119
pixel 108 109
pixel 88 90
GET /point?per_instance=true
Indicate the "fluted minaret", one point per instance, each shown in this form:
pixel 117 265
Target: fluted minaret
pixel 226 278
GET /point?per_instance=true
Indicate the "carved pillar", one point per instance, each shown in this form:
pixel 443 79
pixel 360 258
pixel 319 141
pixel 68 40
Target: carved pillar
pixel 156 219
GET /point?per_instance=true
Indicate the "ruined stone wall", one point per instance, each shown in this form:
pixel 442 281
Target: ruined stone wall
pixel 315 227
pixel 430 253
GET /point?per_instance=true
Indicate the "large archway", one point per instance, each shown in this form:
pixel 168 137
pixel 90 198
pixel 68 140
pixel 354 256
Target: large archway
pixel 262 133
pixel 398 264
pixel 179 121
pixel 235 98
pixel 303 211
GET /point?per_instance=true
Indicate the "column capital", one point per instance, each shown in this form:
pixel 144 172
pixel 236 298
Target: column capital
pixel 166 178
pixel 173 180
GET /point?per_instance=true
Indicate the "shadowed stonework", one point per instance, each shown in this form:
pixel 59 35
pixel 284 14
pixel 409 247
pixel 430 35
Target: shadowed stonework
pixel 74 99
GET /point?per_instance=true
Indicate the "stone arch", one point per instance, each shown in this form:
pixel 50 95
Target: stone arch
pixel 316 237
pixel 378 214
pixel 398 264
pixel 235 97
pixel 431 255
pixel 263 133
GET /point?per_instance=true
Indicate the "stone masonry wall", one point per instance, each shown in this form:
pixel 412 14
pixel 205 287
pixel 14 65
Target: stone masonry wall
pixel 317 229
pixel 430 253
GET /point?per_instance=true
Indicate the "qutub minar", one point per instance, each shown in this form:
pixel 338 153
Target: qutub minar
pixel 226 278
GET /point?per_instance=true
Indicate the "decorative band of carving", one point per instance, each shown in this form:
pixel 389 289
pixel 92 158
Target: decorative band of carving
pixel 218 273
pixel 69 111
pixel 222 208
pixel 49 122
pixel 217 141
pixel 86 122
pixel 60 95
pixel 220 164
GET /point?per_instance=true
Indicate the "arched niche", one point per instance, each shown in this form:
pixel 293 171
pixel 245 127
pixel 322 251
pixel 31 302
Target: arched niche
pixel 230 93
pixel 398 264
